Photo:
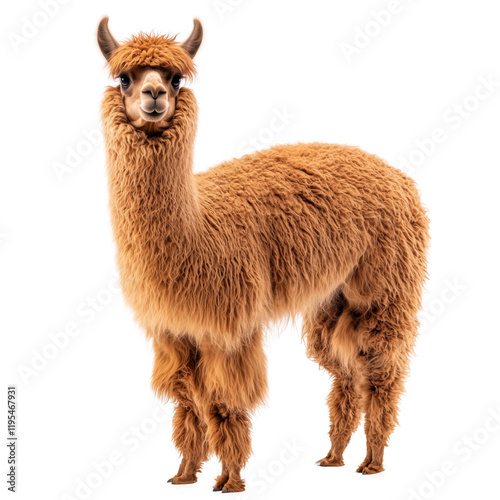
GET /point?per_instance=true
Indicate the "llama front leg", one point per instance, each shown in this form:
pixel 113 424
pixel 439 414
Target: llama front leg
pixel 229 438
pixel 233 383
pixel 189 437
pixel 173 377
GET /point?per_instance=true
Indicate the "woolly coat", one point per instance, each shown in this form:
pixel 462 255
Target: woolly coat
pixel 218 254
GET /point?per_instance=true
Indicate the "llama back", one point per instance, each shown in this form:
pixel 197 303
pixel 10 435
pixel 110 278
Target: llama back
pixel 317 210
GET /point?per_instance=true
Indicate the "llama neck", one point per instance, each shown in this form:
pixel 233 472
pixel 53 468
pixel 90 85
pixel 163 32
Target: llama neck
pixel 153 197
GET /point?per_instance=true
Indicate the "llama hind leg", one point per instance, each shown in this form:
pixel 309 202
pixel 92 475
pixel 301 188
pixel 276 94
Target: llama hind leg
pixel 388 349
pixel 233 384
pixel 344 403
pixel 332 342
pixel 382 398
pixel 173 377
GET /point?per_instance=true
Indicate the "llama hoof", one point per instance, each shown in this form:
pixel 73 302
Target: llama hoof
pixel 220 482
pixel 182 480
pixel 330 462
pixel 225 490
pixel 371 469
pixel 233 486
pixel 361 467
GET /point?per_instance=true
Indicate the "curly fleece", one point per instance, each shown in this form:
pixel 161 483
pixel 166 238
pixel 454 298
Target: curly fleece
pixel 207 260
pixel 151 50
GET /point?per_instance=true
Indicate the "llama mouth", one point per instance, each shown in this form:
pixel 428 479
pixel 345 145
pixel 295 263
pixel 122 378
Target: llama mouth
pixel 152 116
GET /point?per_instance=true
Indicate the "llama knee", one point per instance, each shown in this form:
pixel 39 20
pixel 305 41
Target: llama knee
pixel 173 369
pixel 228 435
pixel 382 393
pixel 189 432
pixel 236 380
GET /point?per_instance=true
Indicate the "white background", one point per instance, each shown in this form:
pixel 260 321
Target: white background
pixel 412 76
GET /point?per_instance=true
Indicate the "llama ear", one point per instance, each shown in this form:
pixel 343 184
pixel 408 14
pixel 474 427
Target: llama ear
pixel 105 39
pixel 192 44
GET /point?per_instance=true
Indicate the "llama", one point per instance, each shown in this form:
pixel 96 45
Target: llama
pixel 207 261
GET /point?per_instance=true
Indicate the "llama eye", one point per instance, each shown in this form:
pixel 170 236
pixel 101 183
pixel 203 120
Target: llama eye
pixel 125 81
pixel 176 81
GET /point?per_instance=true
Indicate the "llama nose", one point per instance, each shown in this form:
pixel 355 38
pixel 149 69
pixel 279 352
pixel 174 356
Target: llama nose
pixel 155 90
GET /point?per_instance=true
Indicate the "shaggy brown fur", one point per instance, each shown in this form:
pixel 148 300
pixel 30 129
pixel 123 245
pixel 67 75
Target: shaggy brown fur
pixel 151 50
pixel 208 260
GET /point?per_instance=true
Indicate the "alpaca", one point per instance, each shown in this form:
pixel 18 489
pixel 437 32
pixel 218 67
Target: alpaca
pixel 207 261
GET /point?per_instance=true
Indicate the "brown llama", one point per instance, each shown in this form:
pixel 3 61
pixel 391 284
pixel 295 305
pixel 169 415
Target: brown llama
pixel 207 260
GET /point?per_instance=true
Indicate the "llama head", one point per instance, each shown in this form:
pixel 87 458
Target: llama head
pixel 150 69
